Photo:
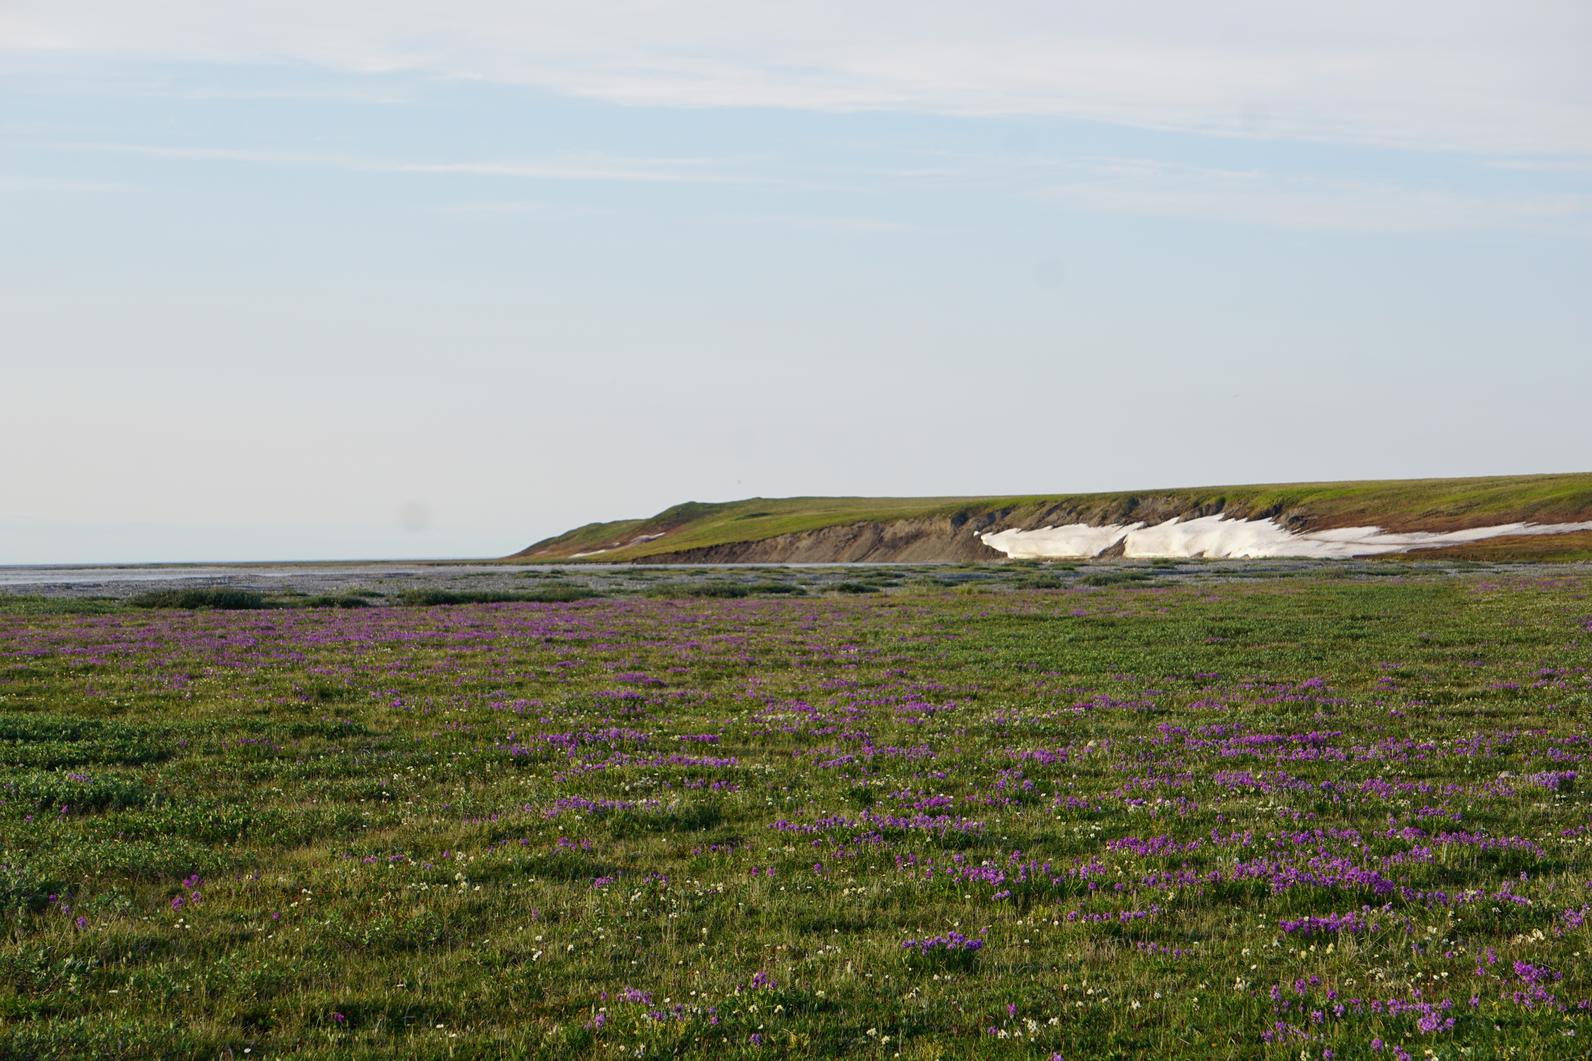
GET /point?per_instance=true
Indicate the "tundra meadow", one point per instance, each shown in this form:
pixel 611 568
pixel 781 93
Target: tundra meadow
pixel 1315 816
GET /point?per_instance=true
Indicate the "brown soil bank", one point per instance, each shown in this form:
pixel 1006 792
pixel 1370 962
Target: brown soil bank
pixel 1538 548
pixel 899 541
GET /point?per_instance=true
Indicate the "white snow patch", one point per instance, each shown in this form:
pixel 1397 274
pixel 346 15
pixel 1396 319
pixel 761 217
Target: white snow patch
pixel 637 540
pixel 1073 539
pixel 1218 538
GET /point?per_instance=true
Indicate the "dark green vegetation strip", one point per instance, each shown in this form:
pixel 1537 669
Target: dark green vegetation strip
pixel 226 599
pixel 1238 819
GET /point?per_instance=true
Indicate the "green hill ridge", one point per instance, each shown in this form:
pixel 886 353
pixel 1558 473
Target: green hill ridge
pixel 842 529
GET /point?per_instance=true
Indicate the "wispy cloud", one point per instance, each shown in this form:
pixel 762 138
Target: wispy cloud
pixel 1160 189
pixel 1497 79
pixel 1104 185
pixel 665 171
pixel 582 168
pixel 823 222
pixel 1574 167
pixel 312 95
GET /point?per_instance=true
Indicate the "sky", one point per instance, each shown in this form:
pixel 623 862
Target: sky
pixel 293 280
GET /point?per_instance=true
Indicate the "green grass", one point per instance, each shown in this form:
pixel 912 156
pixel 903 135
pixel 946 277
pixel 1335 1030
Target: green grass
pixel 705 827
pixel 1427 503
pixel 542 594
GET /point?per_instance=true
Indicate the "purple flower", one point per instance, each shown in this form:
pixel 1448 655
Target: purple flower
pixel 952 942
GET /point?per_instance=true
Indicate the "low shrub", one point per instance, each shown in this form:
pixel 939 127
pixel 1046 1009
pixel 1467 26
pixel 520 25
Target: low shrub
pixel 1115 578
pixel 675 590
pixel 346 600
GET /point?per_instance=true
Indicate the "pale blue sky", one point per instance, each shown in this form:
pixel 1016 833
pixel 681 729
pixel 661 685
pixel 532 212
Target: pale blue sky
pixel 439 280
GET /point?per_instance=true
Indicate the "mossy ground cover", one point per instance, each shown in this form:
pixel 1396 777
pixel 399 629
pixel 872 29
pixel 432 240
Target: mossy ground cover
pixel 1331 816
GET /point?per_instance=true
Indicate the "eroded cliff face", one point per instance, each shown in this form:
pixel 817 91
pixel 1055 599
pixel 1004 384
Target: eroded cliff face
pixel 1138 508
pixel 1222 522
pixel 902 540
pixel 940 538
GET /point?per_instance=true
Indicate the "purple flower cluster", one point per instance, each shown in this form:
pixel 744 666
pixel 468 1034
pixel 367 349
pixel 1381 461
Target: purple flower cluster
pixel 1354 923
pixel 952 942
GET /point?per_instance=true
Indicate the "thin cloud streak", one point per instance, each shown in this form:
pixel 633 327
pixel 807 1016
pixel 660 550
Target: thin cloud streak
pixel 1152 187
pixel 1103 185
pixel 661 170
pixel 1156 189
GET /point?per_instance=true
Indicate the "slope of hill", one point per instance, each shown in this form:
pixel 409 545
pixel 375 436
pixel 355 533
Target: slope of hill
pixel 1500 517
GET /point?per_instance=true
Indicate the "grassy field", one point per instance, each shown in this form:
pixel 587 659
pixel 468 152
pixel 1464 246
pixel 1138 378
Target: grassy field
pixel 1311 816
pixel 1427 504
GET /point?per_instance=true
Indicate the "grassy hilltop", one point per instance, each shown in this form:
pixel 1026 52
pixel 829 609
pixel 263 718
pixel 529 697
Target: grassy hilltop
pixel 730 528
